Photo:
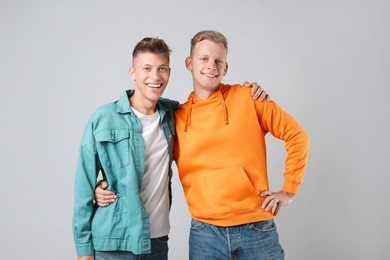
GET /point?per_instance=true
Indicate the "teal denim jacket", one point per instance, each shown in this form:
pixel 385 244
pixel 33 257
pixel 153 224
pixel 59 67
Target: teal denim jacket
pixel 113 145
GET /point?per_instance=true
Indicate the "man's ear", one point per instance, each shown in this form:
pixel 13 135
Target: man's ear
pixel 131 73
pixel 226 69
pixel 188 62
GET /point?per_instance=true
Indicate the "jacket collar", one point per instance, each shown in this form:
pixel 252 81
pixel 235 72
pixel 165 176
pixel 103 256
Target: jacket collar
pixel 123 104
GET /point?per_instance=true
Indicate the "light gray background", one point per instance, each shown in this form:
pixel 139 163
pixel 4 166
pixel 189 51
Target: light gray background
pixel 325 62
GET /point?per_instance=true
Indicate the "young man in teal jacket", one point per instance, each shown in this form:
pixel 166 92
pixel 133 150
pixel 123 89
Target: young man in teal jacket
pixel 123 140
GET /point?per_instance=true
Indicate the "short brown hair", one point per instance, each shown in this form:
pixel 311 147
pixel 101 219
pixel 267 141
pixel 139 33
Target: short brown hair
pixel 153 45
pixel 210 35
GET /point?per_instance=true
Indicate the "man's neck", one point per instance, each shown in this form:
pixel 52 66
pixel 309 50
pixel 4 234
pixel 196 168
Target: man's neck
pixel 146 108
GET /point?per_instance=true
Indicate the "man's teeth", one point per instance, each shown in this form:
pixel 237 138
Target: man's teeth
pixel 154 85
pixel 210 75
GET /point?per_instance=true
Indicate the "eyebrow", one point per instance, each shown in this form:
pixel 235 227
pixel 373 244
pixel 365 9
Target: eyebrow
pixel 147 64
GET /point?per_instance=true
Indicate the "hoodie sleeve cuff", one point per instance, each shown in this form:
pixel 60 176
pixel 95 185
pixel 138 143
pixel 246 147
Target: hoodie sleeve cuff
pixel 292 188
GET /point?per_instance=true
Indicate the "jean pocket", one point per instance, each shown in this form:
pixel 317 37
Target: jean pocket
pixel 163 239
pixel 263 226
pixel 197 225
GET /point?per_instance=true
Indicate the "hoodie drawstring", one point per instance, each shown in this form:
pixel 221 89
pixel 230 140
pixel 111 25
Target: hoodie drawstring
pixel 224 110
pixel 188 112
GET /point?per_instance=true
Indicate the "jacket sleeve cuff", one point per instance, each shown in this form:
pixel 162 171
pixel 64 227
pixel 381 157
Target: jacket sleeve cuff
pixel 85 249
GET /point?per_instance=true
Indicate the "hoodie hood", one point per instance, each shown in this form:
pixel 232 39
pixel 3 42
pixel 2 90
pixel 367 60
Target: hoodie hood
pixel 217 96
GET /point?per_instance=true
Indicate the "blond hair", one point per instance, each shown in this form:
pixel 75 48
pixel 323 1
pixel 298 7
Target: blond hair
pixel 210 35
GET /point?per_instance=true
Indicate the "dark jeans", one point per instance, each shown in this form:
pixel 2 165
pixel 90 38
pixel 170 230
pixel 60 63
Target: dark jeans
pixel 159 252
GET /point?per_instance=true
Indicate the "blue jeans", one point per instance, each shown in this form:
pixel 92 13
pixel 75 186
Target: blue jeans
pixel 256 241
pixel 159 252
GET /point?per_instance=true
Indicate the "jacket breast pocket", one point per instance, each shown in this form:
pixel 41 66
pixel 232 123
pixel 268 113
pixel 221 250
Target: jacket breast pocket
pixel 113 147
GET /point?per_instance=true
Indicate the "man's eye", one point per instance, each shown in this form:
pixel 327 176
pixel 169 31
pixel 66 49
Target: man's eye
pixel 163 69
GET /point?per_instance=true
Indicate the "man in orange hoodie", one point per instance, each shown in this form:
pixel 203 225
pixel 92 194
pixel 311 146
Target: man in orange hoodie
pixel 221 157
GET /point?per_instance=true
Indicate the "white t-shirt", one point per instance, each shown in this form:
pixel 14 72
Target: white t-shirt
pixel 154 192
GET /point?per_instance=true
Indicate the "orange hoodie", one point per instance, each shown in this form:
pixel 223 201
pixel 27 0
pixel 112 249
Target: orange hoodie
pixel 221 154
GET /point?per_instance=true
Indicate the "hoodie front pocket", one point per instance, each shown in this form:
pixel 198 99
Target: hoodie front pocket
pixel 113 146
pixel 221 192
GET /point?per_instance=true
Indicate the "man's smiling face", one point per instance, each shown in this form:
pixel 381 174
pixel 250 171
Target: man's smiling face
pixel 151 75
pixel 208 65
